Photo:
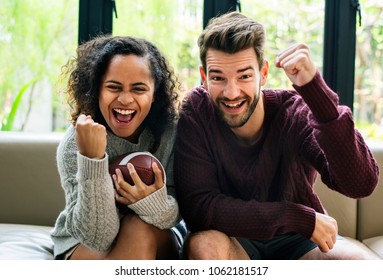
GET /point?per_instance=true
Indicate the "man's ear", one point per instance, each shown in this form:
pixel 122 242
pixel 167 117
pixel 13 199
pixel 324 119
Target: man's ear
pixel 264 72
pixel 203 76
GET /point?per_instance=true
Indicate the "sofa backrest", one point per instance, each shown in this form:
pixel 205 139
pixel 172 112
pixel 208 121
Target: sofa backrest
pixel 371 208
pixel 340 207
pixel 36 197
pixel 30 191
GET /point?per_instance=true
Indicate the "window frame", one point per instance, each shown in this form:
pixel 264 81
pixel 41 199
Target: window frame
pixel 96 17
pixel 340 47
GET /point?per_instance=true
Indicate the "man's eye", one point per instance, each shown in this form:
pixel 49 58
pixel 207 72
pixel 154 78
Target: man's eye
pixel 244 77
pixel 216 78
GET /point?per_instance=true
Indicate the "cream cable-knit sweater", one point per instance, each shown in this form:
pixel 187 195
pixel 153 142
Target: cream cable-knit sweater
pixel 90 216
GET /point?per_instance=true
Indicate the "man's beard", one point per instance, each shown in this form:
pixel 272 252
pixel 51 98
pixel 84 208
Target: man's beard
pixel 238 121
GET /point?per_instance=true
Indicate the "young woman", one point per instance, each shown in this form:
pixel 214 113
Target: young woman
pixel 124 99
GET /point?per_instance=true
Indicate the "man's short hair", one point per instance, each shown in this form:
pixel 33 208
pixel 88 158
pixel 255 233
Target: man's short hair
pixel 231 33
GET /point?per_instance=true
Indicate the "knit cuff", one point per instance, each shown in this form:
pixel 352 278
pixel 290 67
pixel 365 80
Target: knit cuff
pixel 302 218
pixel 92 168
pixel 321 100
pixel 154 203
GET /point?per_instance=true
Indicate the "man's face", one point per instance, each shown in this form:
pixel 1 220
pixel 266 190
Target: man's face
pixel 234 82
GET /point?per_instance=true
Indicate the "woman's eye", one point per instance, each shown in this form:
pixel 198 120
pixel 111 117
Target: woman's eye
pixel 113 88
pixel 139 89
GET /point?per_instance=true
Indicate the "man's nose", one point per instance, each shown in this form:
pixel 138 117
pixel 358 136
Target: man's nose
pixel 231 90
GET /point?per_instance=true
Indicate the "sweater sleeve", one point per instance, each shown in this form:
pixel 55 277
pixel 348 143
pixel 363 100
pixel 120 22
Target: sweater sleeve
pixel 91 214
pixel 158 209
pixel 347 165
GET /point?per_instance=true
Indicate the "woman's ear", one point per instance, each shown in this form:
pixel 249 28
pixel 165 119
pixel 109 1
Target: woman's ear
pixel 203 76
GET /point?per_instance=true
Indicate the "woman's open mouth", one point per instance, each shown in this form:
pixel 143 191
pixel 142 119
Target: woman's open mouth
pixel 124 116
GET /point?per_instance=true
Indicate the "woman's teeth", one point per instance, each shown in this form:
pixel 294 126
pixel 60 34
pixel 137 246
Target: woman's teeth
pixel 124 112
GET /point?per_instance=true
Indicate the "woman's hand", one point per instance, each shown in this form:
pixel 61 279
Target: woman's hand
pixel 129 194
pixel 90 137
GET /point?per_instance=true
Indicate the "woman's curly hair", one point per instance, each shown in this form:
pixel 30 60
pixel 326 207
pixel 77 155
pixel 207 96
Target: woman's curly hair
pixel 87 69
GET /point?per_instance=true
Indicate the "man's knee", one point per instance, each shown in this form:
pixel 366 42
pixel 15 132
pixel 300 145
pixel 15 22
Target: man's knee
pixel 210 244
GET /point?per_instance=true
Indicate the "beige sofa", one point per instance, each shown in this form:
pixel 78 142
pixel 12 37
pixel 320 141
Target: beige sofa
pixel 31 199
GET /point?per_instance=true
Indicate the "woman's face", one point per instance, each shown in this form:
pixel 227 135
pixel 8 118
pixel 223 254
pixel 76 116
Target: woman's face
pixel 126 95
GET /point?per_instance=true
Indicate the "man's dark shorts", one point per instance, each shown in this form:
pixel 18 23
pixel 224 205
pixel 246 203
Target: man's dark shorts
pixel 281 247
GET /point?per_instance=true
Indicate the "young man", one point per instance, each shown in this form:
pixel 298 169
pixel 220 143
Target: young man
pixel 246 159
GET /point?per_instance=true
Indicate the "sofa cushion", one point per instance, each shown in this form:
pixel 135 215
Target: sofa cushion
pixel 375 244
pixel 25 242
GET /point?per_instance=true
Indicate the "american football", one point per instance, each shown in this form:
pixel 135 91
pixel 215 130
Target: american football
pixel 142 162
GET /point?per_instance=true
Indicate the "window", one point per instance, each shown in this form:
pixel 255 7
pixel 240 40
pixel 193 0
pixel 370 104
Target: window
pixel 39 36
pixel 285 26
pixel 368 94
pixel 36 39
pixel 172 25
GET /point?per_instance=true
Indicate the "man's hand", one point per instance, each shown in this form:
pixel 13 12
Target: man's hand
pixel 297 64
pixel 90 137
pixel 325 232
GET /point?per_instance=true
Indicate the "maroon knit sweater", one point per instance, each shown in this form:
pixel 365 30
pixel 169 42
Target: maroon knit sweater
pixel 265 190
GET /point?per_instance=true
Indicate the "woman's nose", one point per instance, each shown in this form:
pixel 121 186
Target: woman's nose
pixel 125 97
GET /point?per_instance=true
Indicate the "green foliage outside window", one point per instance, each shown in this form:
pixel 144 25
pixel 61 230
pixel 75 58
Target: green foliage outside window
pixel 172 25
pixel 38 36
pixel 368 95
